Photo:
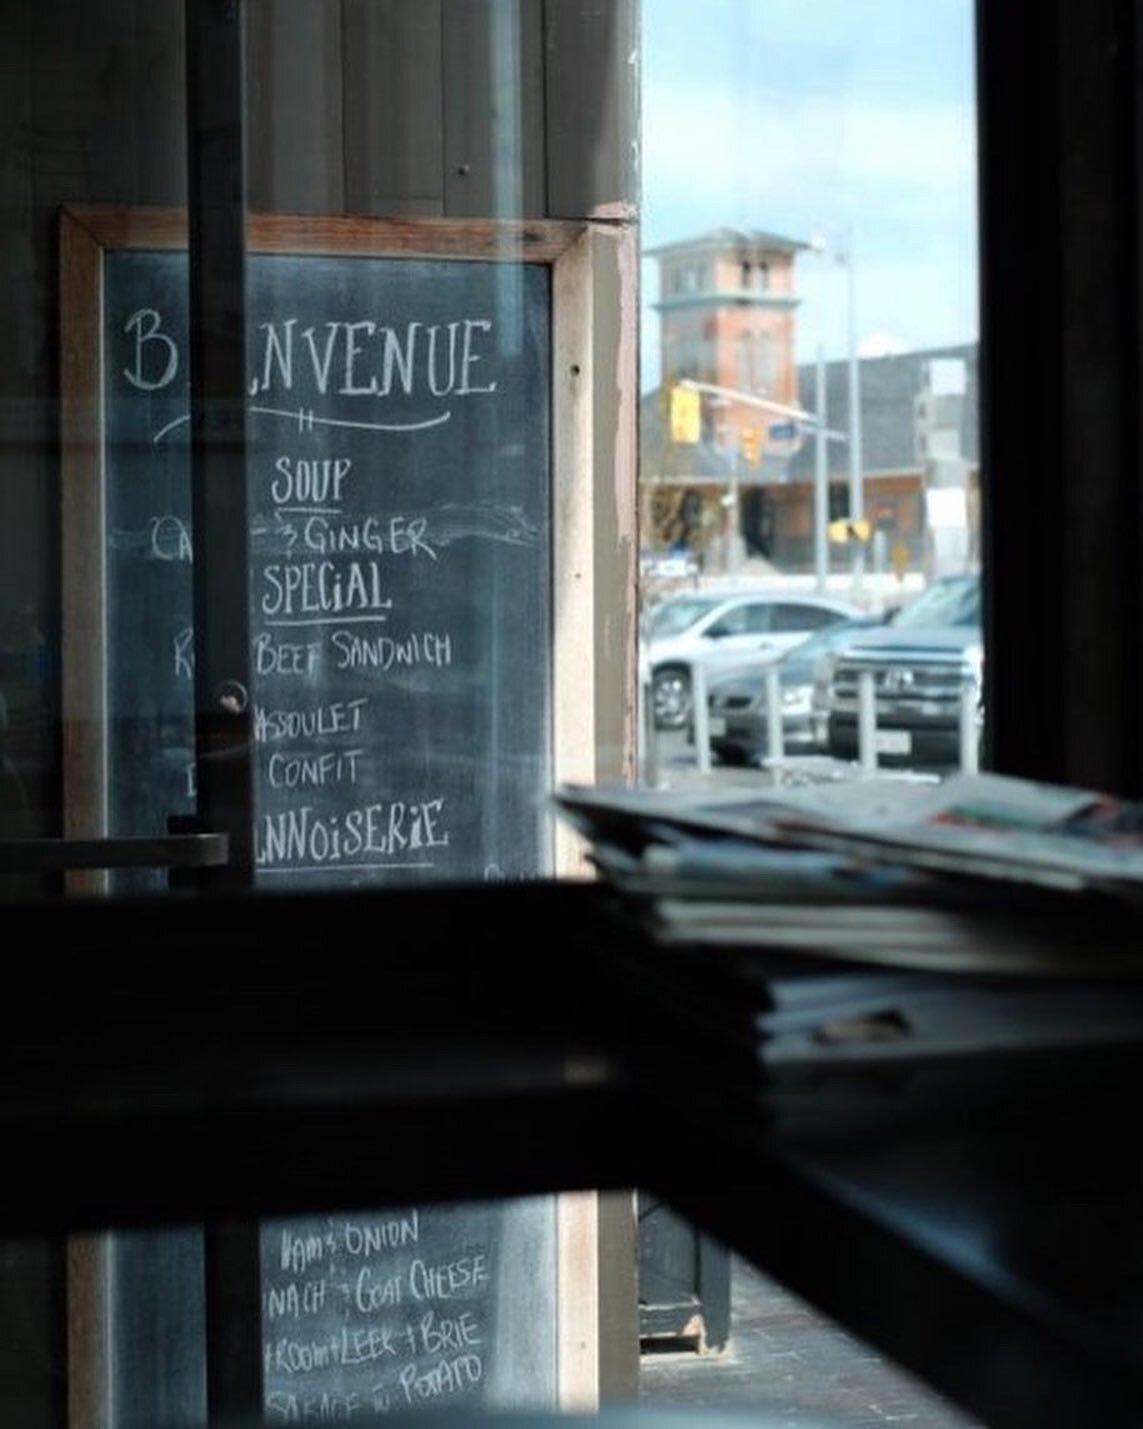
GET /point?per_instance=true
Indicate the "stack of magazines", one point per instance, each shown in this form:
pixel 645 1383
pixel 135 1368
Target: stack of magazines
pixel 854 924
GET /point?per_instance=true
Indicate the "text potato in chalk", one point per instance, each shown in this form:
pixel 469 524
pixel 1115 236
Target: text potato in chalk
pixel 398 428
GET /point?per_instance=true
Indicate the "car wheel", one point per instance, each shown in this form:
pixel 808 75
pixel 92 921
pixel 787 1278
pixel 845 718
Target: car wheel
pixel 671 697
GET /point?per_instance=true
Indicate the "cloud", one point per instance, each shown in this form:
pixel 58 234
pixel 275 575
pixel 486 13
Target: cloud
pixel 787 157
pixel 881 344
pixel 722 156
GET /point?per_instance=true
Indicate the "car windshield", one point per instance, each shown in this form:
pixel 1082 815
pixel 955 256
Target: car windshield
pixel 825 640
pixel 946 603
pixel 675 616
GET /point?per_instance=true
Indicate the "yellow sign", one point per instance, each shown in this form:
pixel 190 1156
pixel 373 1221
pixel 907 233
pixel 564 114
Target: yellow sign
pixel 899 557
pixel 686 416
pixel 847 530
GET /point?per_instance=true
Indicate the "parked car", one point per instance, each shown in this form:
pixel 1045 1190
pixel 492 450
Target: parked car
pixel 921 665
pixel 722 631
pixel 739 704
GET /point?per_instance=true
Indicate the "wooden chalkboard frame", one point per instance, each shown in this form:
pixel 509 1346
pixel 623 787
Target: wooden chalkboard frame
pixel 88 231
pixel 593 548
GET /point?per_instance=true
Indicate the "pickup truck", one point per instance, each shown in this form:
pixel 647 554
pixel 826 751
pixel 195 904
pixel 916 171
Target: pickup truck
pixel 921 664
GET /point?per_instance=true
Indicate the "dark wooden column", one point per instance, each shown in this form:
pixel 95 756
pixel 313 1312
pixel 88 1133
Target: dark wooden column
pixel 1062 486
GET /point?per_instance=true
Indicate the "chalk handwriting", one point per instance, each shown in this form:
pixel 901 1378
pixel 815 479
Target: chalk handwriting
pixel 184 653
pixel 375 831
pixel 299 1252
pixel 313 771
pixel 371 1238
pixel 397 536
pixel 310 588
pixel 337 717
pixel 156 355
pixel 313 481
pixel 283 1408
pixel 351 359
pixel 356 652
pixel 276 657
pixel 370 1294
pixel 367 359
pixel 293 1300
pixel 169 539
pixel 446 1377
pixel 446 1281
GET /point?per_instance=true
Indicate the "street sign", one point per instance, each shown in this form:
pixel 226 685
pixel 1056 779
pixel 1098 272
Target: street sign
pixel 784 431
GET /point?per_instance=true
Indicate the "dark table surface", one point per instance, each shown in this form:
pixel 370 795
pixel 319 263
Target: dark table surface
pixel 980 1222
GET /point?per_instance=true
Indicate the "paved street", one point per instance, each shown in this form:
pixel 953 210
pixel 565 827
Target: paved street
pixel 786 1360
pixel 674 766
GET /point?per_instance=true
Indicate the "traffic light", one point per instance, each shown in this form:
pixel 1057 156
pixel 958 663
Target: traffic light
pixel 686 416
pixel 844 530
pixel 750 444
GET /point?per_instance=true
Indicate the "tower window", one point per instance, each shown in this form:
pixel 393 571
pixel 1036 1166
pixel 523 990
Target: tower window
pixel 766 362
pixel 746 374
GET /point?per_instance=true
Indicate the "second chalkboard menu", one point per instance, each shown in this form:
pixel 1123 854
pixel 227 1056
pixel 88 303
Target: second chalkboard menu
pixel 404 551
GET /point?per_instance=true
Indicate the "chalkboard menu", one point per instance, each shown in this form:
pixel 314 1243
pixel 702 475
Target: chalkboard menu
pixel 407 533
pixel 413 1308
pixel 400 530
pixel 409 1309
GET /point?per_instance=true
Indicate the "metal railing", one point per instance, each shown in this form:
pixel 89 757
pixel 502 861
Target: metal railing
pixel 650 763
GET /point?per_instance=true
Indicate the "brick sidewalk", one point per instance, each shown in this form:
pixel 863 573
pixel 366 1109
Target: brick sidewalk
pixel 788 1361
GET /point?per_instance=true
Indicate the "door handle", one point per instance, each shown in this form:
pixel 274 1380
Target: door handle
pixel 64 854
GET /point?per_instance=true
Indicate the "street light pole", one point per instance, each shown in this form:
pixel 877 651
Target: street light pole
pixel 733 517
pixel 856 494
pixel 821 479
pixel 844 253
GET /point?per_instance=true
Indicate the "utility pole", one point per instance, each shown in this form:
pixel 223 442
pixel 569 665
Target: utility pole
pixel 821 479
pixel 733 509
pixel 843 251
pixel 856 494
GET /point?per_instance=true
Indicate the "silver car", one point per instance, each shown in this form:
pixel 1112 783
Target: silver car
pixel 739 706
pixel 723 631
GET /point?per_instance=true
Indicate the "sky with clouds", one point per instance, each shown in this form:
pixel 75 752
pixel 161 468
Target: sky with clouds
pixel 829 116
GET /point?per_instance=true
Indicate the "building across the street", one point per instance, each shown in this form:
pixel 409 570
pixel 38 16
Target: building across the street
pixel 727 305
pixel 896 469
pixel 728 468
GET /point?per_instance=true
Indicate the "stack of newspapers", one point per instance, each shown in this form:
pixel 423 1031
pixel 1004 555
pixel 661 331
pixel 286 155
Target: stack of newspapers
pixel 877 920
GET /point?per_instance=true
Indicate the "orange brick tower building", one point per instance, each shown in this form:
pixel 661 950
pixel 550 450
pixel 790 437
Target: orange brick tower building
pixel 727 308
pixel 727 312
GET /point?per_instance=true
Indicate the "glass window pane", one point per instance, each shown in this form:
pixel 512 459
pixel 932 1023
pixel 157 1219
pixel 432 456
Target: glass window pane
pixel 312 543
pixel 338 484
pixel 810 416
